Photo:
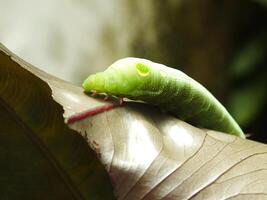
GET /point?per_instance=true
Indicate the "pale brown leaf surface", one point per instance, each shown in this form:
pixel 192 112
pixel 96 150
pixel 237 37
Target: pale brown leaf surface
pixel 155 156
pixel 151 155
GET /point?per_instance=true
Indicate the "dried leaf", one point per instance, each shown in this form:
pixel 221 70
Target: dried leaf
pixel 40 157
pixel 148 154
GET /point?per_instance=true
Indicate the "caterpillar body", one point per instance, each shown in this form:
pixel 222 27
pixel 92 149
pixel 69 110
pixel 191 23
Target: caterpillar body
pixel 171 89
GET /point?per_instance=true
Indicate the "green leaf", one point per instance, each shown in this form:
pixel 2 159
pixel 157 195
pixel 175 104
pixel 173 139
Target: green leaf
pixel 249 58
pixel 247 102
pixel 262 2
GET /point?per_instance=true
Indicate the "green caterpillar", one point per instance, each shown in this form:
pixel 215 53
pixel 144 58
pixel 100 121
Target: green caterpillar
pixel 171 89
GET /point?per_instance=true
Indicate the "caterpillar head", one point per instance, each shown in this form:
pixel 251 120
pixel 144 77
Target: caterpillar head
pixel 125 77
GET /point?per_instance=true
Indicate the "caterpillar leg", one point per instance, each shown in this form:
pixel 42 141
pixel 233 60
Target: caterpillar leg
pixel 107 97
pixel 111 97
pixel 94 93
pixel 121 100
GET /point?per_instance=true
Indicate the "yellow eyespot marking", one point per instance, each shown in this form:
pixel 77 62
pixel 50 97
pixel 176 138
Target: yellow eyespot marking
pixel 142 69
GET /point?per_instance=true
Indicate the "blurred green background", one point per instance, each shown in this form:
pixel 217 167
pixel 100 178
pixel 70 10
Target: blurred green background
pixel 221 44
